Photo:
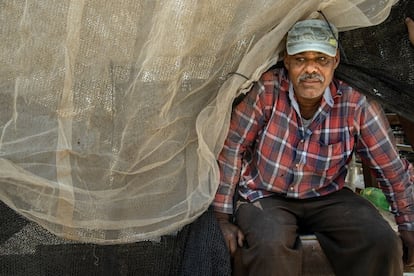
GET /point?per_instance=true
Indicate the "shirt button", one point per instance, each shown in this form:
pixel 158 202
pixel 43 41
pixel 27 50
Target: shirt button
pixel 291 188
pixel 302 141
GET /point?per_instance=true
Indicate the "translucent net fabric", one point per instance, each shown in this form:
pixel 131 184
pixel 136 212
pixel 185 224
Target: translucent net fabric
pixel 112 113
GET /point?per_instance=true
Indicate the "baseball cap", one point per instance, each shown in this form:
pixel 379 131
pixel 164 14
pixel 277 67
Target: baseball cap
pixel 312 35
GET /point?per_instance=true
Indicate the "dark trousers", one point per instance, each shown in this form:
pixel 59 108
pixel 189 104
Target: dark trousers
pixel 352 233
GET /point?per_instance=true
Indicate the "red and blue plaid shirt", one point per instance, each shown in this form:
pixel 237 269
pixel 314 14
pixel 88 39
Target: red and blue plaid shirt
pixel 268 149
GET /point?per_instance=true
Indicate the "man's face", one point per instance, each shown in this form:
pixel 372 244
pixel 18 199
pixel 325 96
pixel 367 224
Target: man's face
pixel 310 72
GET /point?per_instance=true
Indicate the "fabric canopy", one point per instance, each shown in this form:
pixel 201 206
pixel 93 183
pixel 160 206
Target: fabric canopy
pixel 112 113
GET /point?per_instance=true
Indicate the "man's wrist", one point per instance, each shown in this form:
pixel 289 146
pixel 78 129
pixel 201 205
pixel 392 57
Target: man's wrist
pixel 222 216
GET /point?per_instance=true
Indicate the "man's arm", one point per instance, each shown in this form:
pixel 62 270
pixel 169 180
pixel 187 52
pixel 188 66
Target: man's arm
pixel 230 162
pixel 376 146
pixel 247 119
pixel 395 175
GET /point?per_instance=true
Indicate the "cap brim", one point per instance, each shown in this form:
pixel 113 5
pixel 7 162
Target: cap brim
pixel 311 47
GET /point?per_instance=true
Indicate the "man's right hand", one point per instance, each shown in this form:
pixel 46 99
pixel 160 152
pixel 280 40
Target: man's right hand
pixel 233 236
pixel 410 26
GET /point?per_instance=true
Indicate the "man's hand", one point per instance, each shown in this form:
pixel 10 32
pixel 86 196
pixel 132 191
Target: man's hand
pixel 408 242
pixel 233 236
pixel 410 26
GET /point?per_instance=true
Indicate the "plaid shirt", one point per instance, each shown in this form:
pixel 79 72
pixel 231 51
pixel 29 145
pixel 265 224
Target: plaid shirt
pixel 268 149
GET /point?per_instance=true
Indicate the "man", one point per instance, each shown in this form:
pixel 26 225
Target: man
pixel 285 159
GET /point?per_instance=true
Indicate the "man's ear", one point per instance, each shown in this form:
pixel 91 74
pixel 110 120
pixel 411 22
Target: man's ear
pixel 337 58
pixel 286 61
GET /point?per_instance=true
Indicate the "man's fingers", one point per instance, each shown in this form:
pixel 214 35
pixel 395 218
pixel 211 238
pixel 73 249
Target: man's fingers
pixel 240 238
pixel 409 21
pixel 232 246
pixel 233 236
pixel 410 257
pixel 410 25
pixel 230 241
pixel 233 240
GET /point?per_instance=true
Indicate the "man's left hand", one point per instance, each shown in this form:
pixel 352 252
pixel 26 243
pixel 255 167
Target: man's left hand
pixel 410 26
pixel 408 243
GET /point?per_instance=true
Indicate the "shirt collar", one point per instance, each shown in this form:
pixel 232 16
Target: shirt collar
pixel 326 95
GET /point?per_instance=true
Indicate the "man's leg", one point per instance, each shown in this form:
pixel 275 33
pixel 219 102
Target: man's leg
pixel 272 246
pixel 354 236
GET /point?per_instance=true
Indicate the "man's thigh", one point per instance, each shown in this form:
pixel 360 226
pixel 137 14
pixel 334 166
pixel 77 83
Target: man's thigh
pixel 343 212
pixel 271 239
pixel 353 234
pixel 268 218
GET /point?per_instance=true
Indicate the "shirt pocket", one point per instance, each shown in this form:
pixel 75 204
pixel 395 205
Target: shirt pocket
pixel 325 160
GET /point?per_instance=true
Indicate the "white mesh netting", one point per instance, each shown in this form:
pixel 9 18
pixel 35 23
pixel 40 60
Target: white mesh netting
pixel 112 112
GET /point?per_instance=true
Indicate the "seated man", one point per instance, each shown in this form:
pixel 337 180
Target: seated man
pixel 286 156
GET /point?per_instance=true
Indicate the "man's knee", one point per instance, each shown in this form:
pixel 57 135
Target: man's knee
pixel 384 241
pixel 273 246
pixel 390 242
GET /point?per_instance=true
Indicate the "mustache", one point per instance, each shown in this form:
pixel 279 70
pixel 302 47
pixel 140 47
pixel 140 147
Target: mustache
pixel 307 76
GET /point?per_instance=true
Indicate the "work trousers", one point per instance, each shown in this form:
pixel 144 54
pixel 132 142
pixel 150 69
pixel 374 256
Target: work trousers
pixel 351 231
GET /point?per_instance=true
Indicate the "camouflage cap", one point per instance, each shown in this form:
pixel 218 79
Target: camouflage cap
pixel 312 35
